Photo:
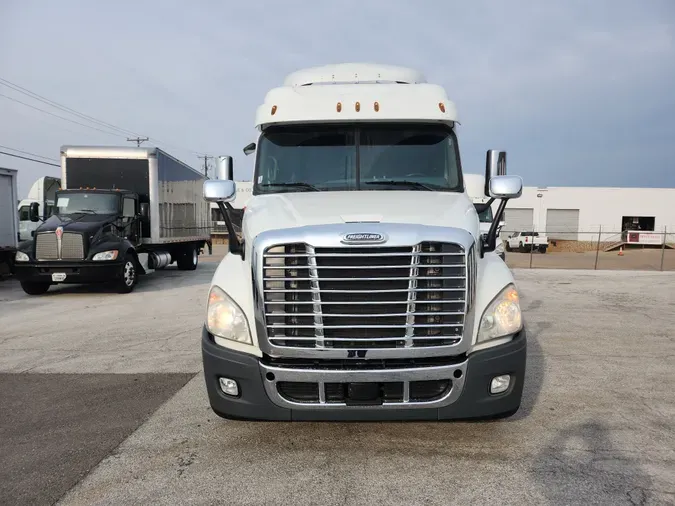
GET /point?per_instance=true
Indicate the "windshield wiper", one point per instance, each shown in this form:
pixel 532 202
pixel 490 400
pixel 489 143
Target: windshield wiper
pixel 402 182
pixel 293 185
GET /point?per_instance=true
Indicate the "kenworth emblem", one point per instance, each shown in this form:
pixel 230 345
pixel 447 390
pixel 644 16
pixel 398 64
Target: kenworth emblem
pixel 363 238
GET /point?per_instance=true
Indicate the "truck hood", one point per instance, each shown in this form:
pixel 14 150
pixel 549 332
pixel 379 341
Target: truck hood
pixel 290 210
pixel 87 224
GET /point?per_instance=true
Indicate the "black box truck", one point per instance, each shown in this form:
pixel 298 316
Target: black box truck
pixel 121 212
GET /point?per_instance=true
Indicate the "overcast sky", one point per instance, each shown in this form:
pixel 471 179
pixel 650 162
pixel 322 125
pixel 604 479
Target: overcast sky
pixel 577 92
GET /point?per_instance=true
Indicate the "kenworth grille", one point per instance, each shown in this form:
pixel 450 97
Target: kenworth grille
pixel 374 297
pixel 47 246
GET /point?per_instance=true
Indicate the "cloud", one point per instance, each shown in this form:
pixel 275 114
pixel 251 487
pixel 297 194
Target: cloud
pixel 577 92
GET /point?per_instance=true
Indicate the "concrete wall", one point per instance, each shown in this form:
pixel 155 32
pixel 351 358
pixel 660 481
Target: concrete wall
pixel 600 207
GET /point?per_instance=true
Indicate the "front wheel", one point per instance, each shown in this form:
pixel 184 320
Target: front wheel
pixel 189 258
pixel 35 288
pixel 129 276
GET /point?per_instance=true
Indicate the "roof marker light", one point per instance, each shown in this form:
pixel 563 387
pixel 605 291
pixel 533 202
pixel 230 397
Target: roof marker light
pixel 357 106
pixel 339 107
pixel 441 106
pixel 376 106
pixel 274 109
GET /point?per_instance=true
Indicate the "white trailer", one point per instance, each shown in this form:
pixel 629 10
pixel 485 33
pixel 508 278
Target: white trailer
pixel 9 220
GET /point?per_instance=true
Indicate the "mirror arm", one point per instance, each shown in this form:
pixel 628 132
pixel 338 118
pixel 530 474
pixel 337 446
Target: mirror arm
pixel 482 207
pixel 234 244
pixel 492 233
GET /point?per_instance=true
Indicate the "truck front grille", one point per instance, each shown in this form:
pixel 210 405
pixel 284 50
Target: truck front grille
pixel 47 247
pixel 72 246
pixel 366 297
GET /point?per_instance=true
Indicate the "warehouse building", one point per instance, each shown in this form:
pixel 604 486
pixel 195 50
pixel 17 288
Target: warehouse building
pixel 575 213
pixel 581 213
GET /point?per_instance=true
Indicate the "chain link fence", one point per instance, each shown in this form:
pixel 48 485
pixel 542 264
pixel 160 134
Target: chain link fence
pixel 591 249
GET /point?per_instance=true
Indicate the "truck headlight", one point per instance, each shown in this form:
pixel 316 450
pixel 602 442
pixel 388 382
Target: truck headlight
pixel 105 255
pixel 502 316
pixel 21 257
pixel 224 318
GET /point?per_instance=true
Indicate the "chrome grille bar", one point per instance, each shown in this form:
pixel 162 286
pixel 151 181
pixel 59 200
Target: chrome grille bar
pixel 420 294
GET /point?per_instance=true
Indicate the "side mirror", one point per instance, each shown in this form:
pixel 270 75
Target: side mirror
pixel 34 212
pixel 506 187
pixel 145 209
pixel 224 168
pixel 495 165
pixel 249 149
pixel 216 190
pixel 223 192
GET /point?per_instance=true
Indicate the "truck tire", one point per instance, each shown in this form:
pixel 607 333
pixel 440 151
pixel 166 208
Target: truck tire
pixel 35 288
pixel 507 247
pixel 521 248
pixel 189 258
pixel 128 276
pixel 542 249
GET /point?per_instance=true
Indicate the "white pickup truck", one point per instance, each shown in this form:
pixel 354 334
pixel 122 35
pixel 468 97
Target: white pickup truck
pixel 361 287
pixel 527 241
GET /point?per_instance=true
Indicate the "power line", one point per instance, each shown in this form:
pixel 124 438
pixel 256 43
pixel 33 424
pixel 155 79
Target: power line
pixel 70 110
pixel 64 108
pixel 28 153
pixel 57 116
pixel 31 159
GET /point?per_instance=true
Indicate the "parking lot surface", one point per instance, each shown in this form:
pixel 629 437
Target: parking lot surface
pixel 596 425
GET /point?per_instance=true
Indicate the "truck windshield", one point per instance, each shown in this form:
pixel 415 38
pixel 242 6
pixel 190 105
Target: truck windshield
pixel 368 156
pixel 90 203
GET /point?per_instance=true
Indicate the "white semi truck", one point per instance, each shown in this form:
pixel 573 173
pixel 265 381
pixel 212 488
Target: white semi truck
pixel 361 287
pixel 43 192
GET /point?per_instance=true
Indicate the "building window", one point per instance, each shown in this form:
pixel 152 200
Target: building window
pixel 645 223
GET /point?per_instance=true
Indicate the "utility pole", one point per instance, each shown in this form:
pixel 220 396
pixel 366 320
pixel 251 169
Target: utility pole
pixel 138 140
pixel 206 165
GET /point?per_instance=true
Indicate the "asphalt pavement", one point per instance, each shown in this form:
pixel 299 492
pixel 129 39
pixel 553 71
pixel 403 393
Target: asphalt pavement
pixel 596 425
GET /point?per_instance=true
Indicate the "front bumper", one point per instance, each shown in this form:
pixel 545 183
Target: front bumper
pixel 76 272
pixel 468 398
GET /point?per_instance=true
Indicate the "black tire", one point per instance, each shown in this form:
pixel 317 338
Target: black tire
pixel 521 248
pixel 188 259
pixel 35 288
pixel 542 249
pixel 507 247
pixel 128 276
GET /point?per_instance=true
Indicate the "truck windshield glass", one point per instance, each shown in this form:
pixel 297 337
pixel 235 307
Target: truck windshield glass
pixel 372 156
pixel 90 203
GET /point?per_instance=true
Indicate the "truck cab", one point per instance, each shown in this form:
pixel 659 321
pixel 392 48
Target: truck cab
pixel 361 286
pixel 86 239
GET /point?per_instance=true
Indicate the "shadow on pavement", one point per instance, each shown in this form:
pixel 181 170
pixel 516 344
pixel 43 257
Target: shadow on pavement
pixel 581 466
pixel 56 427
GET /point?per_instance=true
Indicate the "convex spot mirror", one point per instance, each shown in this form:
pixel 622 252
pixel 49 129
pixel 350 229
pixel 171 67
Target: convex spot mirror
pixel 217 190
pixel 506 187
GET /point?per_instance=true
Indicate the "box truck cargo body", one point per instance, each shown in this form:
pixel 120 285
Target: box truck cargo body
pixel 144 205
